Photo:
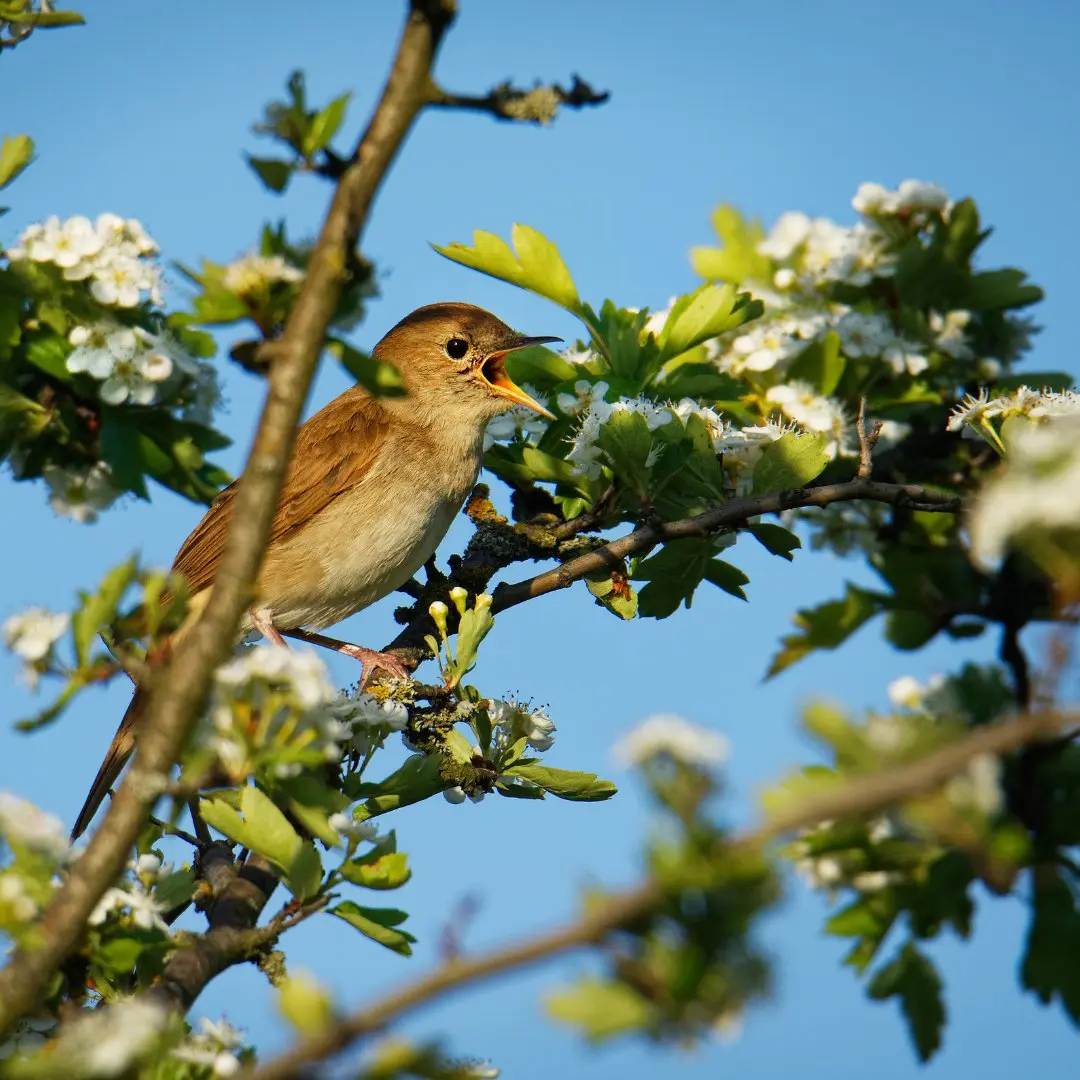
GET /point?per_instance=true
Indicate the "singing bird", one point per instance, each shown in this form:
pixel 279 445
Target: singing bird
pixel 373 486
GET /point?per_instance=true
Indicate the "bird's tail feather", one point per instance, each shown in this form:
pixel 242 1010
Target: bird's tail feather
pixel 120 750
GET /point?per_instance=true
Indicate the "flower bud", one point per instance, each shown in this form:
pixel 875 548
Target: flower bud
pixel 459 596
pixel 438 612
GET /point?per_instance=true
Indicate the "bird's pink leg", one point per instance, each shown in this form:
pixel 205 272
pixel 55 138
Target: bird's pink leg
pixel 369 659
pixel 260 619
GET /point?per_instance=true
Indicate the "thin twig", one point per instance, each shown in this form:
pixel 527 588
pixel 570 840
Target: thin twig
pixel 173 830
pixel 179 689
pixel 867 439
pixel 865 795
pixel 539 105
pixel 729 515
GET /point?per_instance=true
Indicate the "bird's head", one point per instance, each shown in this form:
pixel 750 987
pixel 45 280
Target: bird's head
pixel 453 355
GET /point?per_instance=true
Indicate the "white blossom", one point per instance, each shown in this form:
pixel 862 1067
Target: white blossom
pixel 518 423
pixel 348 826
pixel 1035 495
pixel 80 493
pixel 584 396
pixel 949 333
pixel 252 274
pixel 668 735
pixel 788 233
pixel 31 634
pixel 25 825
pixel 21 906
pixel 577 356
pixel 511 720
pixel 145 911
pixel 109 1041
pixel 585 455
pixel 864 334
pixel 799 401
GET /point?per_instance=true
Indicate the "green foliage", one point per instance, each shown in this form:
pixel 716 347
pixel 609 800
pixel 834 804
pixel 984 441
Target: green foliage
pixel 912 978
pixel 379 924
pixel 573 786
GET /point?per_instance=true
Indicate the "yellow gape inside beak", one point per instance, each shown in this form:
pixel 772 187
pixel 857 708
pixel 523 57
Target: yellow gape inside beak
pixel 493 372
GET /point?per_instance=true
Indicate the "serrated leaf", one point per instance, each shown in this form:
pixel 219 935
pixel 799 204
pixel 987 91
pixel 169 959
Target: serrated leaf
pixel 599 1008
pixel 775 539
pixel 273 172
pixel 172 890
pixel 16 152
pixel 389 871
pixel 707 312
pixel 1000 290
pixel 304 875
pixel 535 263
pixel 738 259
pixel 48 352
pixel 377 924
pixel 264 829
pixel 417 779
pixel 914 979
pixel 564 784
pixel 726 577
pixel 791 462
pixel 820 364
pixel 1049 967
pixel 627 441
pixel 100 608
pixel 825 626
pixel 325 125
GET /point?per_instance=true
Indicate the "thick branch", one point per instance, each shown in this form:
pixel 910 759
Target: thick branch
pixel 731 514
pixel 536 106
pixel 866 795
pixel 179 691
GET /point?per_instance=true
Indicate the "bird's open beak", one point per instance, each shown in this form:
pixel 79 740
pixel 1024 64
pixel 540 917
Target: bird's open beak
pixel 493 372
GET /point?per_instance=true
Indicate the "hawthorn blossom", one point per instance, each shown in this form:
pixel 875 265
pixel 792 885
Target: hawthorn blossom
pixel 32 633
pixel 512 720
pixel 517 424
pixel 79 493
pixel 800 402
pixel 584 396
pixel 585 455
pixel 144 910
pixel 252 274
pixel 949 333
pixel 25 825
pixel 110 1041
pixel 214 1047
pixel 665 735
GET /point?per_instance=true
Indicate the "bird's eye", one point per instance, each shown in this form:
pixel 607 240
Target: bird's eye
pixel 456 348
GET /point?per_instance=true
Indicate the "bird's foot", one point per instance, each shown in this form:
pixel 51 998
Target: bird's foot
pixel 370 659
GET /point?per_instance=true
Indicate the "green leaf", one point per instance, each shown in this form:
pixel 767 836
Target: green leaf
pixel 99 609
pixel 176 888
pixel 16 152
pixel 699 381
pixel 1049 967
pixel 673 574
pixel 727 577
pixel 737 260
pixel 311 802
pixel 46 20
pixel 377 924
pixel 1043 380
pixel 1000 290
pixel 325 125
pixel 48 352
pixel 599 1008
pixel 705 313
pixel 913 978
pixel 535 263
pixel 614 592
pixel 266 830
pixel 273 172
pixel 305 1004
pixel 790 462
pixel 377 377
pixel 820 364
pixel 627 441
pixel 389 871
pixel 825 626
pixel 417 779
pixel 541 366
pixel 910 629
pixel 775 539
pixel 563 784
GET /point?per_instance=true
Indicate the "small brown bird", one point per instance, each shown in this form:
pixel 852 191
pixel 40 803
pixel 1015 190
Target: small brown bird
pixel 373 486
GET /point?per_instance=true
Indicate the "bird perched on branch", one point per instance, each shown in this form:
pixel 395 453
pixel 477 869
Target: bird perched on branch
pixel 373 486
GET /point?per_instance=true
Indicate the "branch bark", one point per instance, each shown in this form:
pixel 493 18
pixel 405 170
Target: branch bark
pixel 180 688
pixel 731 514
pixel 869 794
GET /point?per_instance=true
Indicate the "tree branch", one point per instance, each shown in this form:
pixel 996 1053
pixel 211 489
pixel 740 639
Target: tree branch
pixel 178 691
pixel 539 105
pixel 730 515
pixel 869 794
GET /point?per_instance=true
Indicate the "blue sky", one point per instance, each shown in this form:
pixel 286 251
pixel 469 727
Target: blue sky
pixel 786 105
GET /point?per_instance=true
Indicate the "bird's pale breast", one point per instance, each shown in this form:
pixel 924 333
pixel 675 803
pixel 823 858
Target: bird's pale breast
pixel 371 539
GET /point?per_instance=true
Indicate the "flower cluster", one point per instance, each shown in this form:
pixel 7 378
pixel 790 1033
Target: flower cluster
pixel 135 904
pixel 214 1047
pixel 829 861
pixel 511 720
pixel 31 635
pixel 23 825
pixel 585 453
pixel 1034 502
pixel 130 363
pixel 110 1041
pixel 80 492
pixel 275 706
pixel 114 255
pixel 981 416
pixel 253 275
pixel 667 736
pixel 517 424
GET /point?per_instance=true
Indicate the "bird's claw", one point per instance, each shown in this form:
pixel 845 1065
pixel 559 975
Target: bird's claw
pixel 370 659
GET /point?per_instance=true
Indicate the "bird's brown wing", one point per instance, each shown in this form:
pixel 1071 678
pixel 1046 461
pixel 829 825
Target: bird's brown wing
pixel 334 450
